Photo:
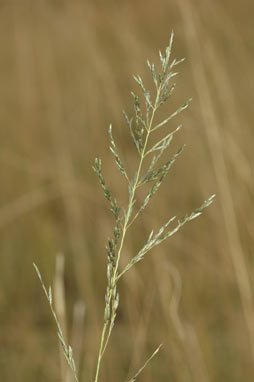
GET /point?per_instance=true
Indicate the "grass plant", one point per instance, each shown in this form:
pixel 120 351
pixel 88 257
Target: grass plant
pixel 150 172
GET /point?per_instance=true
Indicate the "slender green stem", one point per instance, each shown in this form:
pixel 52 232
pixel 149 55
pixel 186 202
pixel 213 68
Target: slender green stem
pixel 100 352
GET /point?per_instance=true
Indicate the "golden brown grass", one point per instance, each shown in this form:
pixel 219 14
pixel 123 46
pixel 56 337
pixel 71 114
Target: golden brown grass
pixel 65 73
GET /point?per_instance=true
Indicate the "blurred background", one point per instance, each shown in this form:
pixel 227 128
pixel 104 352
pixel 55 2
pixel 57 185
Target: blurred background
pixel 66 73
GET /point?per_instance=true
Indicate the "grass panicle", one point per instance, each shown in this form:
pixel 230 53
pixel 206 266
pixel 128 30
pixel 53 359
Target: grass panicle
pixel 142 125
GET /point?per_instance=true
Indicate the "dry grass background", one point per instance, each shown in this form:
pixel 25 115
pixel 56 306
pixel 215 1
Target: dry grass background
pixel 65 73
